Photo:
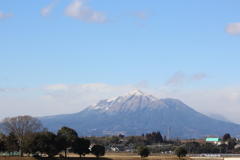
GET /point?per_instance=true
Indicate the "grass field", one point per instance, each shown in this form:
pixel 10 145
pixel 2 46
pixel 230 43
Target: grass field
pixel 108 156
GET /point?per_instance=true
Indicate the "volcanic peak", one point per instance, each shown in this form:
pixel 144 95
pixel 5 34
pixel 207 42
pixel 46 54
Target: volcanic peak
pixel 137 92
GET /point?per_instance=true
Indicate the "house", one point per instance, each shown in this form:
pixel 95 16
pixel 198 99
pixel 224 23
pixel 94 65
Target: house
pixel 117 148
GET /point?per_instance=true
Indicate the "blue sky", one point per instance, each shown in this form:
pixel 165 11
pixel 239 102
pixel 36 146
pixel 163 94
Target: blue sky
pixel 59 57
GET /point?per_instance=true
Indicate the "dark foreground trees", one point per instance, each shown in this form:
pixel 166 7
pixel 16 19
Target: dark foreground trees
pixel 43 142
pixel 22 127
pixel 25 136
pixel 143 151
pixel 51 144
pixel 11 143
pixel 180 152
pixel 98 150
pixel 2 143
pixel 193 147
pixel 154 137
pixel 65 138
pixel 81 146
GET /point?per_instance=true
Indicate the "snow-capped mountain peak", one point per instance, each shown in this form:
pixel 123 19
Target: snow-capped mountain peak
pixel 130 102
pixel 137 113
pixel 136 92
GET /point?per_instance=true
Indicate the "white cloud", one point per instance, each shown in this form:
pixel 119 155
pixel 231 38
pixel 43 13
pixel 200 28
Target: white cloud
pixel 180 78
pixel 177 78
pixel 8 89
pixel 3 16
pixel 57 87
pixel 198 76
pixel 140 17
pixel 94 88
pixel 233 96
pixel 141 14
pixel 47 10
pixel 233 28
pixel 77 9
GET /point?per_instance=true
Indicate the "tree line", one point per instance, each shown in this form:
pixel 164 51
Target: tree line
pixel 27 135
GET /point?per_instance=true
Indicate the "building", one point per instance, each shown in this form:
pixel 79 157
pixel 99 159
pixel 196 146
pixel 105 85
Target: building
pixel 213 139
pixel 216 141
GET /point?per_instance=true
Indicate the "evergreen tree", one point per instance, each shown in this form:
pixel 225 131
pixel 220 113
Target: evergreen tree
pixel 65 138
pixel 226 137
pixel 98 150
pixel 143 151
pixel 81 146
pixel 2 144
pixel 180 152
pixel 192 147
pixel 11 143
pixel 43 142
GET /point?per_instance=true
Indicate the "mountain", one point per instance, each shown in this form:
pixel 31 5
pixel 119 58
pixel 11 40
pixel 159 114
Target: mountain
pixel 137 113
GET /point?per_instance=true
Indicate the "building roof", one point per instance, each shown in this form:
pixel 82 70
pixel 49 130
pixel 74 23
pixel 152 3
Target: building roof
pixel 213 139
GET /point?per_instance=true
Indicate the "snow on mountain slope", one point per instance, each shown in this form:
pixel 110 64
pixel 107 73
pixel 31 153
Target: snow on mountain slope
pixel 130 102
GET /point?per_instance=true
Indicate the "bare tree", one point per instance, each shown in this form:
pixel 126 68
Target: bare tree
pixel 22 127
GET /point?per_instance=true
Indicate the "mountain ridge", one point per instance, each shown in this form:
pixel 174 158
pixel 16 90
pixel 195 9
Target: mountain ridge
pixel 137 113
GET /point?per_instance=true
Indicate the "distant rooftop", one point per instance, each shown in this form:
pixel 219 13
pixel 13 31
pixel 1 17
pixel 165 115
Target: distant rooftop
pixel 213 139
